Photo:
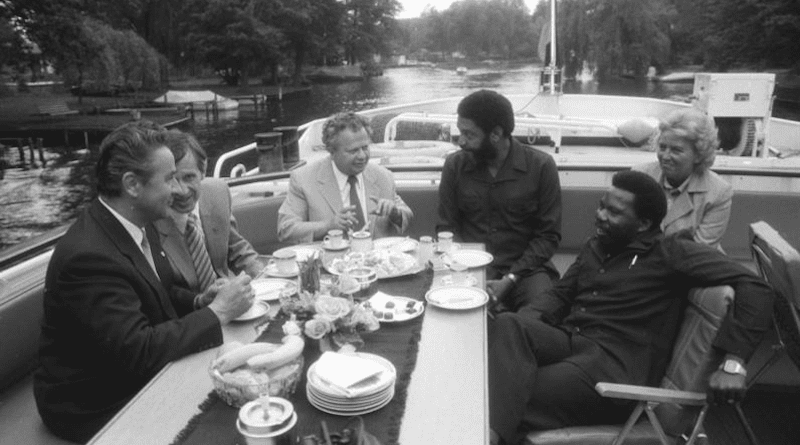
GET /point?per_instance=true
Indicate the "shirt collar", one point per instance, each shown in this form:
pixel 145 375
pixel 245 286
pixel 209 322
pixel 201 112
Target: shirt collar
pixel 341 178
pixel 516 158
pixel 137 233
pixel 642 243
pixel 674 191
pixel 181 219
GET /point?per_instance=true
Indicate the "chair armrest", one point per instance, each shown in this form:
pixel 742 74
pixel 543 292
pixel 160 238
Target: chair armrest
pixel 650 394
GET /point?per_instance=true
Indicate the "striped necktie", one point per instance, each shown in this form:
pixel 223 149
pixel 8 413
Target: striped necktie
pixel 200 258
pixel 354 201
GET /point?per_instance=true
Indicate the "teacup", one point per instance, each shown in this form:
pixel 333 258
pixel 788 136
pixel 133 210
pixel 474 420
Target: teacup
pixel 334 238
pixel 445 241
pixel 460 274
pixel 285 261
pixel 361 241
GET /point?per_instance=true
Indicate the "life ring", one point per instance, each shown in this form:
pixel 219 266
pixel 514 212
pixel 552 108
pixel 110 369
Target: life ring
pixel 747 139
pixel 238 171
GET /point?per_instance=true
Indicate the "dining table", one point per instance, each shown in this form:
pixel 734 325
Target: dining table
pixel 446 399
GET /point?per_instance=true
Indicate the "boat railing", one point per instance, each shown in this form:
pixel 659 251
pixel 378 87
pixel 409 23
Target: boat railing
pixel 553 126
pixel 235 162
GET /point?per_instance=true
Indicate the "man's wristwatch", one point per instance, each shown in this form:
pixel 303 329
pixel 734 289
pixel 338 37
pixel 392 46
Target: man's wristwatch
pixel 733 367
pixel 512 277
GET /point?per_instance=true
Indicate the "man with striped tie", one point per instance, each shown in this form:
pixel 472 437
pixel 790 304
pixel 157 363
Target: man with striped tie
pixel 200 236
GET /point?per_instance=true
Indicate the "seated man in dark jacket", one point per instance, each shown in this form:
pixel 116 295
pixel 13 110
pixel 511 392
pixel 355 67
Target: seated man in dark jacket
pixel 109 324
pixel 504 194
pixel 613 317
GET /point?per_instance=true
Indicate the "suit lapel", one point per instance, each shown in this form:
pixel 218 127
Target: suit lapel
pixel 371 189
pixel 175 247
pixel 123 241
pixel 213 226
pixel 328 186
pixel 684 203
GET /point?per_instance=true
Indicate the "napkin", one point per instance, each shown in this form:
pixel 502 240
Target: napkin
pixel 345 370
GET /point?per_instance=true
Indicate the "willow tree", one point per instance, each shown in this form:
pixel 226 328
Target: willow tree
pixel 620 36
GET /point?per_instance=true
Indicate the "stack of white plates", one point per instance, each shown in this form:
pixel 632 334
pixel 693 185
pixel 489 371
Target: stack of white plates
pixel 335 384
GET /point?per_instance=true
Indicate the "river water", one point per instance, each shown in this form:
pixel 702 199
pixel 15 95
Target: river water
pixel 34 201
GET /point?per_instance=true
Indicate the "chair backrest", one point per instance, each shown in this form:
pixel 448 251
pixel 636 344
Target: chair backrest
pixel 779 264
pixel 777 260
pixel 693 359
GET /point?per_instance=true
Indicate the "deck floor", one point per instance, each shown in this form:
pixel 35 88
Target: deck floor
pixel 773 413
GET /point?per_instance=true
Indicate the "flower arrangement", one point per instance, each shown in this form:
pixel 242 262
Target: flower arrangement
pixel 324 316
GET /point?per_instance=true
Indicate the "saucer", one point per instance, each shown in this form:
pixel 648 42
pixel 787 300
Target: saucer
pixel 343 245
pixel 258 309
pixel 272 270
pixel 268 289
pixel 453 247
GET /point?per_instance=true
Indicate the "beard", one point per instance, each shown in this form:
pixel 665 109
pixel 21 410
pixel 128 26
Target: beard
pixel 614 238
pixel 484 153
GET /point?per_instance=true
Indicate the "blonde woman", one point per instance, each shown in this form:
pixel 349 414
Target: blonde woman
pixel 699 200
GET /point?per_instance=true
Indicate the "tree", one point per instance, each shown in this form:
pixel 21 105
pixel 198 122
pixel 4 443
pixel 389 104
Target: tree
pixel 13 52
pixel 367 25
pixel 229 37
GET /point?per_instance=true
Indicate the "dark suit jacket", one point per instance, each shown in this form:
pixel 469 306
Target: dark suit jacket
pixel 109 325
pixel 228 250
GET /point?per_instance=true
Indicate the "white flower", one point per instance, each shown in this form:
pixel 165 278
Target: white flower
pixel 290 327
pixel 318 327
pixel 332 308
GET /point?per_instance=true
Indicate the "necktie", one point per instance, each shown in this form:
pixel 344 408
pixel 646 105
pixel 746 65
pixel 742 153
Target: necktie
pixel 200 258
pixel 148 254
pixel 354 201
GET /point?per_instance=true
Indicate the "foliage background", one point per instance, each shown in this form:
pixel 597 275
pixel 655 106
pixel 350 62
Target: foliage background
pixel 140 43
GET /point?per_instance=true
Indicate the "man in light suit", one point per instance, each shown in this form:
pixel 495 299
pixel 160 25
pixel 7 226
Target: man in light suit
pixel 109 324
pixel 344 191
pixel 207 203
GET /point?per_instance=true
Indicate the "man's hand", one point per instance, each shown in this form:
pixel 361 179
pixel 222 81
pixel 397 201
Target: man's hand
pixel 724 387
pixel 499 289
pixel 387 208
pixel 207 296
pixel 345 219
pixel 233 298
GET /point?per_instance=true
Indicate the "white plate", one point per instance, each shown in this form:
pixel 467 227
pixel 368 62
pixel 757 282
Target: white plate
pixel 302 251
pixel 258 309
pixel 387 263
pixel 369 386
pixel 399 312
pixel 447 280
pixel 341 246
pixel 347 412
pixel 272 271
pixel 398 243
pixel 470 258
pixel 457 297
pixel 269 289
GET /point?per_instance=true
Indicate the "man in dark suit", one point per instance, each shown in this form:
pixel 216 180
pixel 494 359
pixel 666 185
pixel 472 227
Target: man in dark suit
pixel 200 236
pixel 613 317
pixel 109 325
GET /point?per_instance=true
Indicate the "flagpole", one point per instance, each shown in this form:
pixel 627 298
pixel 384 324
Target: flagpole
pixel 552 46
